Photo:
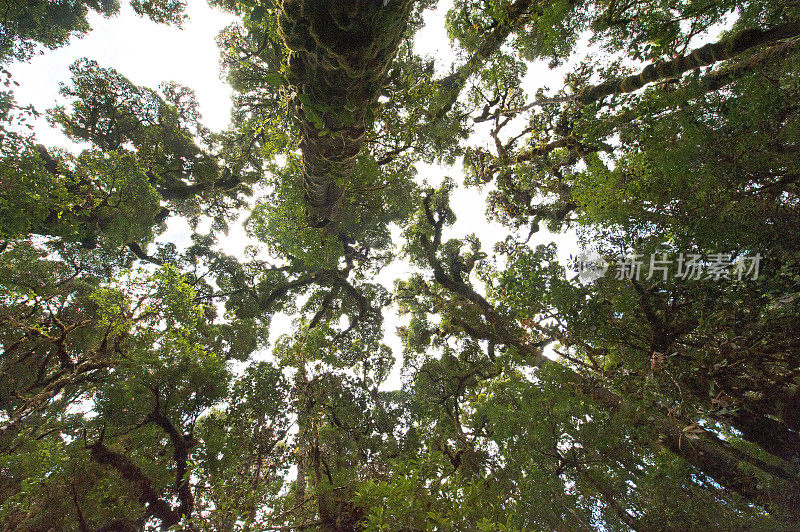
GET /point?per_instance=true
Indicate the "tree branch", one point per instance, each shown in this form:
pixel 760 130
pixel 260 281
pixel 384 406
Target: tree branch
pixel 703 56
pixel 156 506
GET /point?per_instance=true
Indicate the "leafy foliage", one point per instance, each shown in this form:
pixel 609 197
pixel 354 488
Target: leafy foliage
pixel 148 385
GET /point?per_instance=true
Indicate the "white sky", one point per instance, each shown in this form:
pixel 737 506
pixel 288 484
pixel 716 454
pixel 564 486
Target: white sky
pixel 148 54
pixel 144 52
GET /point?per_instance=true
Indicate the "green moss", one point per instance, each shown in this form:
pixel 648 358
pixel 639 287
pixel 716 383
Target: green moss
pixel 340 53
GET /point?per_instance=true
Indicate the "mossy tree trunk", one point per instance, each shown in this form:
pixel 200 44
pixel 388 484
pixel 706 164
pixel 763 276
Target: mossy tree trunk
pixel 340 53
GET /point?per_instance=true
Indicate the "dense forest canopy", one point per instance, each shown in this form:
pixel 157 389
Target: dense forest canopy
pixel 143 385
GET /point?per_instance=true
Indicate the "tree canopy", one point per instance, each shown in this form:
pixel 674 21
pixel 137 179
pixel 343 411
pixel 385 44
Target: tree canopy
pixel 156 385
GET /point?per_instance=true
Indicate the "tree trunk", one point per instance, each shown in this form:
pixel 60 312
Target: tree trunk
pixel 340 53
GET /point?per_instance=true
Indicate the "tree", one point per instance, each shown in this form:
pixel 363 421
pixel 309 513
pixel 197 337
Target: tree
pixel 28 27
pixel 139 386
